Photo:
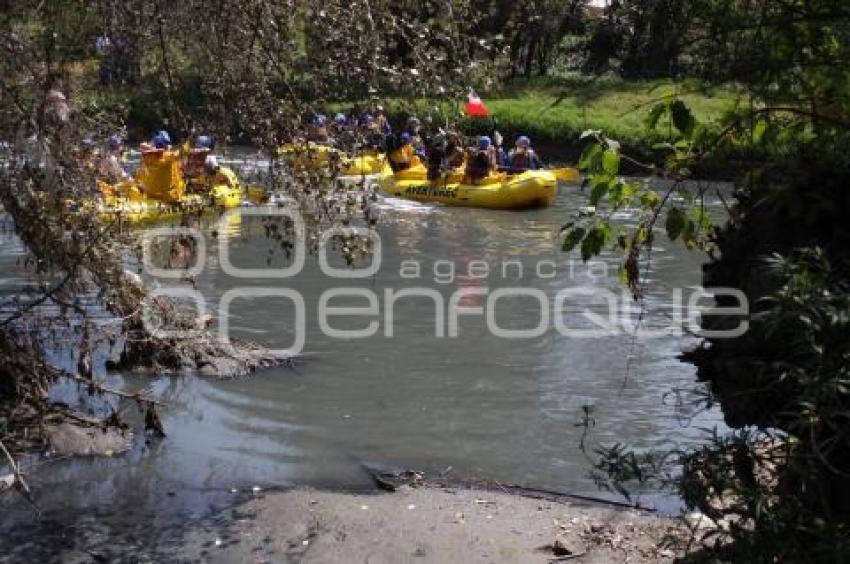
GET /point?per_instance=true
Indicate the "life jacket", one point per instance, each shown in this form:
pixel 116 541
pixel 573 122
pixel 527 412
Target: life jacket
pixel 318 134
pixel 478 165
pixel 436 156
pixel 391 142
pixel 195 162
pixel 455 156
pixel 400 159
pixel 161 176
pixel 522 161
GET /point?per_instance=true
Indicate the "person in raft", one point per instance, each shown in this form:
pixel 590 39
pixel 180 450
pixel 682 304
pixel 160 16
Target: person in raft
pixel 382 123
pixel 523 157
pixel 401 157
pixel 481 161
pixel 339 124
pixel 435 156
pixel 109 164
pixel 161 141
pixel 413 127
pixel 197 157
pixel 455 155
pixel 318 130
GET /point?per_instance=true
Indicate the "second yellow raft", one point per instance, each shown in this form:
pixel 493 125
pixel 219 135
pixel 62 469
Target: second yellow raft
pixel 531 189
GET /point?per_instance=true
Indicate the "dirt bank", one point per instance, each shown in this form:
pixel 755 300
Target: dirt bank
pixel 432 524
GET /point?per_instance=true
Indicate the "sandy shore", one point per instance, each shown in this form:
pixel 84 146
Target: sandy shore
pixel 432 524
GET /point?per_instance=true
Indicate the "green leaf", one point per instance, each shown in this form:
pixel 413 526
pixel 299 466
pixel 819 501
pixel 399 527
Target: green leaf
pixel 598 192
pixel 622 275
pixel 683 119
pixel 700 219
pixel 689 233
pixel 611 162
pixel 595 241
pixel 590 158
pixel 655 114
pixel 649 199
pixel 621 194
pixel 676 220
pixel 573 238
pixel 759 130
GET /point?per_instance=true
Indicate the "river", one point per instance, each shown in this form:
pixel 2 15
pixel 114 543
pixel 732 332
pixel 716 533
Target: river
pixel 477 405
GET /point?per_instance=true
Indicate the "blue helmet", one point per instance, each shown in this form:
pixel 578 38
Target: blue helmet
pixel 523 141
pixel 203 142
pixel 161 139
pixel 484 142
pixel 320 119
pixel 339 118
pixel 405 137
pixel 115 141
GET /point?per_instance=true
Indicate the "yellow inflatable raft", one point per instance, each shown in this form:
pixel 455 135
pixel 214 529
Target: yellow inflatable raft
pixel 365 165
pixel 125 201
pixel 532 189
pixel 312 157
pixel 145 210
pixel 308 156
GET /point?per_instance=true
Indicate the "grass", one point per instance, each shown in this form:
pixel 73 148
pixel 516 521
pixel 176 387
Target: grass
pixel 555 111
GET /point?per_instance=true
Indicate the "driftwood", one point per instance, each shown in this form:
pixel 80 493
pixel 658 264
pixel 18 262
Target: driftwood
pixel 390 481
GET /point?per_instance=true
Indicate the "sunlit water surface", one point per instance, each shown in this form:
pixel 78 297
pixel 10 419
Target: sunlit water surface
pixel 472 406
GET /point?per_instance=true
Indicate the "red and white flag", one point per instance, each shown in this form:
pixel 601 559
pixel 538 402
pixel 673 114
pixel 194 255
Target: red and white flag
pixel 474 106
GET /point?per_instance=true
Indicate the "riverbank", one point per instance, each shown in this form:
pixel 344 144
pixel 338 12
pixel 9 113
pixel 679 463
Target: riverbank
pixel 554 111
pixel 431 524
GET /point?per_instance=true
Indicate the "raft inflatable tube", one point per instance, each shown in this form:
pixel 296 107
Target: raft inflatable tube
pixel 224 196
pixel 313 157
pixel 145 210
pixel 420 173
pixel 531 189
pixel 365 165
pixel 308 156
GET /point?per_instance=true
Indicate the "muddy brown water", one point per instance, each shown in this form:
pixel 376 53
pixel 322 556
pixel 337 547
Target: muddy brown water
pixel 478 405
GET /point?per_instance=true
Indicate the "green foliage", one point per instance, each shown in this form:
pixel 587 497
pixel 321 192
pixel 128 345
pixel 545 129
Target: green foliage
pixel 777 495
pixel 676 222
pixel 621 470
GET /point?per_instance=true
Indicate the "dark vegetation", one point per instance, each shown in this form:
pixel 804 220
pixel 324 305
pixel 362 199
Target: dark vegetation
pixel 778 485
pixel 253 70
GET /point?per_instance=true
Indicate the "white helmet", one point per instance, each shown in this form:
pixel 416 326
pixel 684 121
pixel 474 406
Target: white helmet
pixel 211 163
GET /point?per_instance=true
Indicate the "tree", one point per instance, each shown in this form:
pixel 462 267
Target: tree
pixel 224 67
pixel 781 478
